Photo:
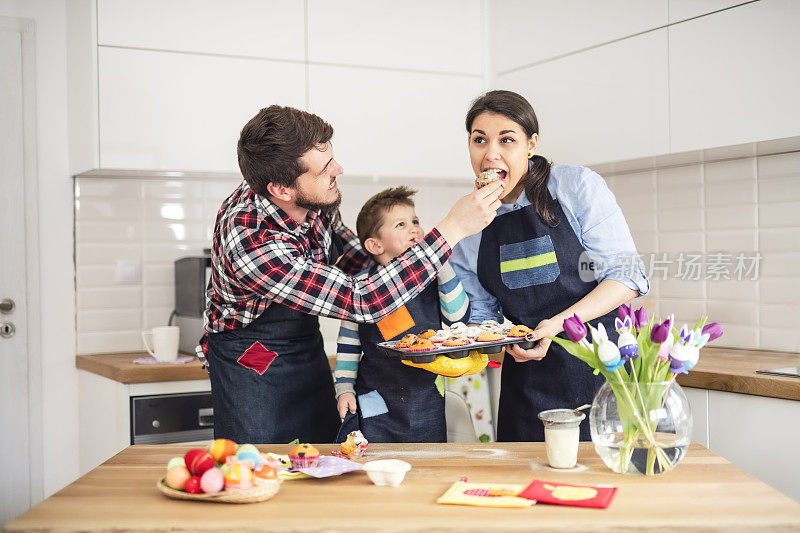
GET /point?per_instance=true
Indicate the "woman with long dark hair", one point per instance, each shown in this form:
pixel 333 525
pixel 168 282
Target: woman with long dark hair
pixel 559 246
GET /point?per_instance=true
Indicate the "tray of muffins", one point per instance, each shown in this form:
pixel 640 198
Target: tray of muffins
pixel 458 341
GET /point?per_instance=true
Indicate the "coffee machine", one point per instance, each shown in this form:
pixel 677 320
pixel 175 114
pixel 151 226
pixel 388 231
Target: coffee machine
pixel 191 279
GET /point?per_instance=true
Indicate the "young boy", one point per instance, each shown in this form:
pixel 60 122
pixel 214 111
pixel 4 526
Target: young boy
pixel 396 402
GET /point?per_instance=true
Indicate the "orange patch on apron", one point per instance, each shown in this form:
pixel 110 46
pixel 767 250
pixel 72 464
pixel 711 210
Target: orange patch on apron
pixel 395 324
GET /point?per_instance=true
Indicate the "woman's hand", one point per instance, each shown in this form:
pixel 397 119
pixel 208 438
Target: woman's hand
pixel 546 328
pixel 346 402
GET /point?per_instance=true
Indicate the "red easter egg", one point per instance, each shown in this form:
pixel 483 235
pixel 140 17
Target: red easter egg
pixel 192 485
pixel 198 461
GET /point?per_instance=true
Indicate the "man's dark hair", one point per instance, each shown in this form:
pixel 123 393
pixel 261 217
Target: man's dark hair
pixel 370 218
pixel 272 143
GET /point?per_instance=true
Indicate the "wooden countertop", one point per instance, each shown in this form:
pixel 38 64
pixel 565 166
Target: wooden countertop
pixel 732 370
pixel 705 492
pixel 120 367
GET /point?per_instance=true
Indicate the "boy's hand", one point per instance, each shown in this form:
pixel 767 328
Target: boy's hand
pixel 471 213
pixel 346 402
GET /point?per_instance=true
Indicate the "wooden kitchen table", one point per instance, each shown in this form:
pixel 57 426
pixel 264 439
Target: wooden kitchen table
pixel 705 492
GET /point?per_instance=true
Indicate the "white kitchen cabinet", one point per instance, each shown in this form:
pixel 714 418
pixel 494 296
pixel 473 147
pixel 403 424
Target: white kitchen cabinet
pixel 104 420
pixel 601 105
pixel 255 28
pixel 686 9
pixel 734 76
pixel 441 36
pixel 759 435
pixel 161 110
pixel 525 32
pixel 396 124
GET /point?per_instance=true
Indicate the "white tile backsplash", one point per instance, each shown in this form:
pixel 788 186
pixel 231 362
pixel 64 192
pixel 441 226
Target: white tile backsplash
pixel 730 212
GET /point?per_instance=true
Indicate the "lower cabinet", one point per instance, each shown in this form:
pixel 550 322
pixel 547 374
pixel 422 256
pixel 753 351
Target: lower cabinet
pixel 756 433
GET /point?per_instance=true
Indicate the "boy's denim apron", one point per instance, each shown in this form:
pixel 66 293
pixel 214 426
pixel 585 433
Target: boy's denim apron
pixel 271 381
pixel 396 402
pixel 533 271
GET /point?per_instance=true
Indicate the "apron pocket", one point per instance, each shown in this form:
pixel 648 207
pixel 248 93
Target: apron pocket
pixel 257 358
pixel 528 263
pixel 372 404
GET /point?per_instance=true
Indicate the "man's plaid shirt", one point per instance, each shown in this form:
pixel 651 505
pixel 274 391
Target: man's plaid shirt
pixel 261 256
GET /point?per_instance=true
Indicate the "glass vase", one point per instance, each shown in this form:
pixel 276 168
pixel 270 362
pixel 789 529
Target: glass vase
pixel 641 428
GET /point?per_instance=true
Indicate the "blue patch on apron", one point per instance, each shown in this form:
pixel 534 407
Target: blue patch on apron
pixel 372 404
pixel 528 263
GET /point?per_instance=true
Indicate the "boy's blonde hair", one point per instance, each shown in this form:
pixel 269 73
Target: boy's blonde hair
pixel 370 218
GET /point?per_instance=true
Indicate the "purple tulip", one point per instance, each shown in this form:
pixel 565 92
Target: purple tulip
pixel 640 318
pixel 660 332
pixel 624 311
pixel 575 329
pixel 713 330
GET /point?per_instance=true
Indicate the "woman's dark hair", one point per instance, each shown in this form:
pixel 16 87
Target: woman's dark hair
pixel 515 107
pixel 272 143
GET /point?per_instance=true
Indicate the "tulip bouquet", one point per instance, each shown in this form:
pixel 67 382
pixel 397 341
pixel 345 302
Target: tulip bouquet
pixel 639 368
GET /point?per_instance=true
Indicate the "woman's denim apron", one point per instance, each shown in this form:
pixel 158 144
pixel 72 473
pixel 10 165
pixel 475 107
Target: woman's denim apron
pixel 533 271
pixel 396 402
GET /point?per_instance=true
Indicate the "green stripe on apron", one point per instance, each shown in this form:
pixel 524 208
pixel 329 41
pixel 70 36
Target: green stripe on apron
pixel 528 262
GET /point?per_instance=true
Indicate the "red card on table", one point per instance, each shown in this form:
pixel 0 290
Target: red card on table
pixel 573 495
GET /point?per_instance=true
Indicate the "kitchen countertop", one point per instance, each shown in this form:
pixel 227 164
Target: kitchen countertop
pixel 724 369
pixel 704 492
pixel 120 367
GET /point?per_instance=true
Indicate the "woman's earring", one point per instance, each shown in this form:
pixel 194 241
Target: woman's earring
pixel 530 154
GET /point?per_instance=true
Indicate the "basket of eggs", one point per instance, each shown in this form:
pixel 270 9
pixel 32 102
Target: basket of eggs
pixel 222 473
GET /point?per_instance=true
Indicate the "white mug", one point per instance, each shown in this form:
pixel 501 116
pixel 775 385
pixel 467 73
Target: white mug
pixel 165 342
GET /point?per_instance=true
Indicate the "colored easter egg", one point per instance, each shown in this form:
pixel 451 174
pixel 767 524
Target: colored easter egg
pixel 177 476
pixel 220 449
pixel 239 477
pixel 193 485
pixel 198 461
pixel 212 480
pixel 176 461
pixel 249 453
pixel 264 472
pixel 246 448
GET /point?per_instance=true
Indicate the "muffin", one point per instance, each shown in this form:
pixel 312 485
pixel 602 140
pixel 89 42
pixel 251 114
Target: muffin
pixel 421 345
pixel 520 330
pixel 440 336
pixel 488 176
pixel 472 332
pixel 355 445
pixel 490 324
pixel 427 334
pixel 405 341
pixel 304 456
pixel 457 327
pixel 456 340
pixel 488 336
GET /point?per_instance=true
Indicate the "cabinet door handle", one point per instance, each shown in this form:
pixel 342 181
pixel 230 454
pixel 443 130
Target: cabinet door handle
pixel 205 417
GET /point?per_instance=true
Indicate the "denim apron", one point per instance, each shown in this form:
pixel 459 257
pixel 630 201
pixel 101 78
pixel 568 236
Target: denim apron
pixel 396 402
pixel 271 381
pixel 533 271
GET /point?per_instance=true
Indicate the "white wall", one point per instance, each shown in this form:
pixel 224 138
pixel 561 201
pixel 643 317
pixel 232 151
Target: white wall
pixel 59 377
pixel 623 79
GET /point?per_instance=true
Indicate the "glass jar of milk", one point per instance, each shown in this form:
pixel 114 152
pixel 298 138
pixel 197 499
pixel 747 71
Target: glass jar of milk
pixel 561 436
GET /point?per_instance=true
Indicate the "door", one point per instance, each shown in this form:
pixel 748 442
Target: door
pixel 15 490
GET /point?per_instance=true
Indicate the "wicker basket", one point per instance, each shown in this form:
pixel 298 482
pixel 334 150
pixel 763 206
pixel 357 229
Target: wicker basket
pixel 259 493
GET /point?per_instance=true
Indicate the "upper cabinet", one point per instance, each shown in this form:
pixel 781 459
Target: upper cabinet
pixel 441 36
pixel 393 123
pixel 271 29
pixel 162 110
pixel 686 9
pixel 525 32
pixel 605 104
pixel 734 76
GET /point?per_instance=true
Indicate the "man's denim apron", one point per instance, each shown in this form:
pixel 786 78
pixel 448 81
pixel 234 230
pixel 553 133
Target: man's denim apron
pixel 549 284
pixel 271 381
pixel 396 402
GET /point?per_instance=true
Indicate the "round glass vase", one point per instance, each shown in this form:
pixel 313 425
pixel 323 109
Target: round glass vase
pixel 641 428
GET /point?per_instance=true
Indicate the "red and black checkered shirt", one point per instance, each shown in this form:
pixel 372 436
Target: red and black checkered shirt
pixel 260 256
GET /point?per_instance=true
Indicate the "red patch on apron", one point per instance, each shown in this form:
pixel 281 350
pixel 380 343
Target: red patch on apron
pixel 257 358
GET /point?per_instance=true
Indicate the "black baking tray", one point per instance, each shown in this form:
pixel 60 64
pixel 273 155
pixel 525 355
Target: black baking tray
pixel 455 352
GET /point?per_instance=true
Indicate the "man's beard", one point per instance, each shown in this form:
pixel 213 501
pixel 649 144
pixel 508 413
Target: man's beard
pixel 306 203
